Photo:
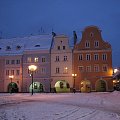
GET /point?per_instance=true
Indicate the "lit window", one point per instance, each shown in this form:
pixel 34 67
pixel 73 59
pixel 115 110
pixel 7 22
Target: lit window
pixel 81 68
pixel 96 57
pixel 65 70
pixel 88 57
pixel 36 59
pixel 87 44
pixel 29 59
pixel 104 56
pixel 80 57
pixel 96 68
pixel 96 44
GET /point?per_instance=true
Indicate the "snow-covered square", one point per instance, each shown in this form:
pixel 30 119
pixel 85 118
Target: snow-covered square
pixel 62 106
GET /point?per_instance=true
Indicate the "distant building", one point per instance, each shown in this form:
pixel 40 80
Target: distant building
pixel 61 63
pixel 92 58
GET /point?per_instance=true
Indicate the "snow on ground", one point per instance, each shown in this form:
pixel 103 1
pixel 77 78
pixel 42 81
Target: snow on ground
pixel 62 106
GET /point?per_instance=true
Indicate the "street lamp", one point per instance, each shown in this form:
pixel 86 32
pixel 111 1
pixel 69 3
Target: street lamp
pixel 32 68
pixel 11 77
pixel 74 75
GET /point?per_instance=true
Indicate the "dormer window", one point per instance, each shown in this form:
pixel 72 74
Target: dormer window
pixel 18 47
pixel 37 45
pixel 8 48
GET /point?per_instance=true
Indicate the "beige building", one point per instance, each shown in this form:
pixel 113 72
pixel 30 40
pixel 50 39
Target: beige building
pixel 61 61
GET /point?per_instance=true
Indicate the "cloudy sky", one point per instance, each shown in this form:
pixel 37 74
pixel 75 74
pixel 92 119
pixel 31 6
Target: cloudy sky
pixel 25 17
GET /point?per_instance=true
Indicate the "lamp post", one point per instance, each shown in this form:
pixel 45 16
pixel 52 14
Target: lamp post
pixel 11 77
pixel 32 68
pixel 74 75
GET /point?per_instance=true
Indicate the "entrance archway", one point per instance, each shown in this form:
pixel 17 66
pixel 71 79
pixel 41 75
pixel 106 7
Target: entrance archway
pixel 13 88
pixel 61 86
pixel 85 86
pixel 37 87
pixel 100 86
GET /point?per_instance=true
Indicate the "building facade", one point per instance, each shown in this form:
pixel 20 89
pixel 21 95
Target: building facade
pixel 16 54
pixel 92 58
pixel 61 64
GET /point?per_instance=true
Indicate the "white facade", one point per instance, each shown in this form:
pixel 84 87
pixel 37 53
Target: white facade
pixel 61 60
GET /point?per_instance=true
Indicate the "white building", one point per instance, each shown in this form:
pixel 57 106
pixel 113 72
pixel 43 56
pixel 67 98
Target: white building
pixel 61 61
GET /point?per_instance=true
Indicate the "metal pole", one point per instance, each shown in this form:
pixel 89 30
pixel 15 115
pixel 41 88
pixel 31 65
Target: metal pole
pixel 32 82
pixel 11 85
pixel 74 85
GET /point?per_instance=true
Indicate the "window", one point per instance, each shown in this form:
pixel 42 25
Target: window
pixel 7 72
pixel 18 47
pixel 57 70
pixel 8 48
pixel 88 68
pixel 65 58
pixel 63 47
pixel 91 34
pixel 12 72
pixel 43 70
pixel 80 57
pixel 37 45
pixel 104 68
pixel 104 56
pixel 17 61
pixel 81 68
pixel 29 59
pixel 96 68
pixel 87 44
pixel 88 57
pixel 58 47
pixel 96 57
pixel 96 44
pixel 43 59
pixel 36 59
pixel 57 58
pixel 65 70
pixel 17 72
pixel 7 62
pixel 12 61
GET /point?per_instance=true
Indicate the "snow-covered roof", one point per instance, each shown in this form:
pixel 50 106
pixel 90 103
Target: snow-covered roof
pixel 16 46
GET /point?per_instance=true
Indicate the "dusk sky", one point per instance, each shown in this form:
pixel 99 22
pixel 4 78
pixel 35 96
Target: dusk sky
pixel 20 18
